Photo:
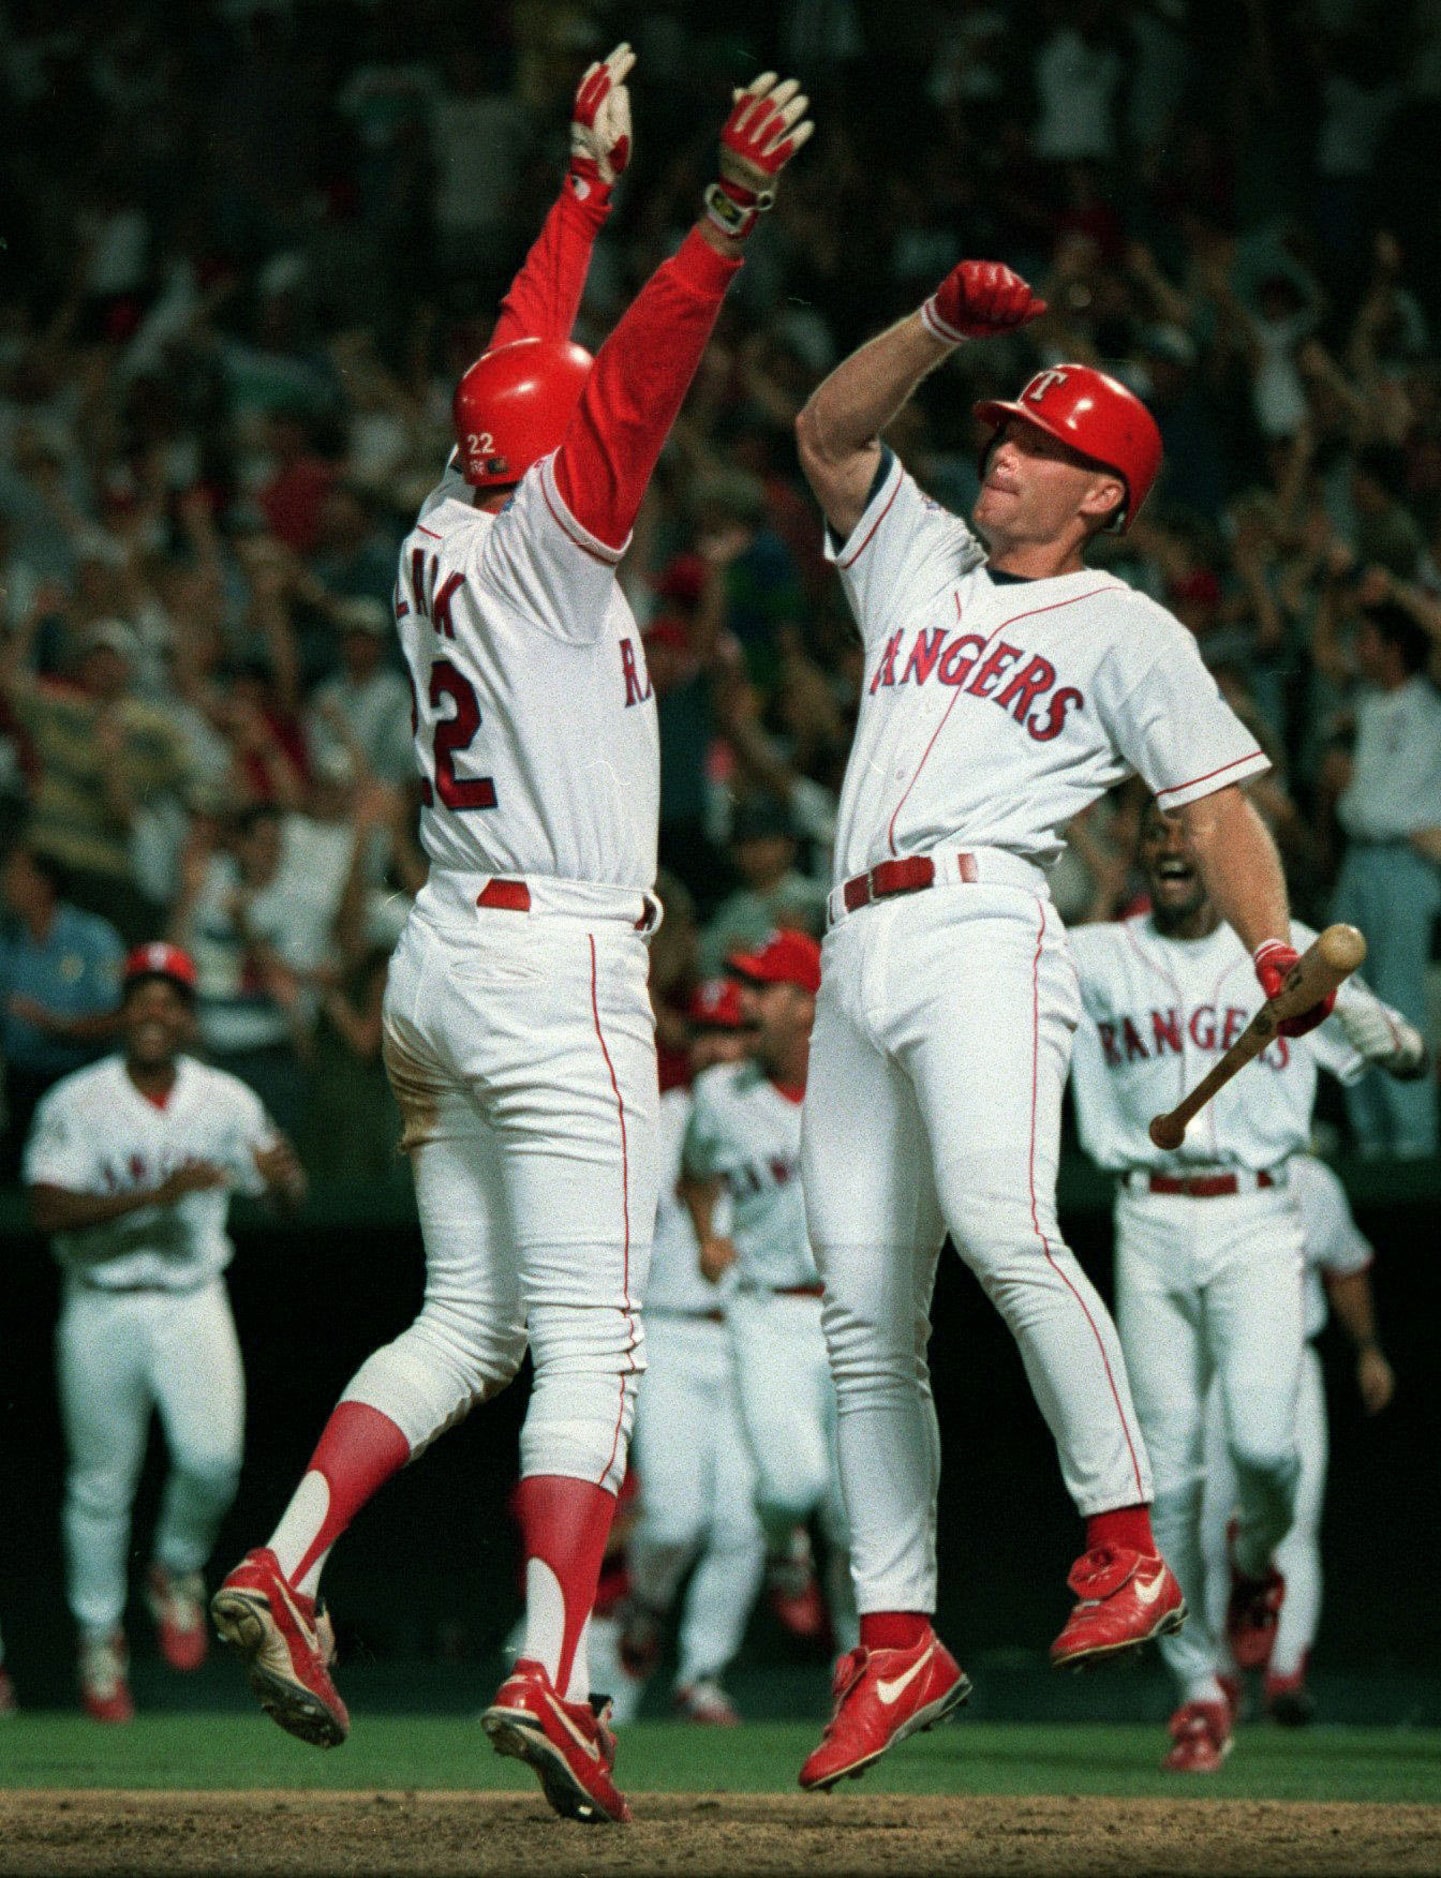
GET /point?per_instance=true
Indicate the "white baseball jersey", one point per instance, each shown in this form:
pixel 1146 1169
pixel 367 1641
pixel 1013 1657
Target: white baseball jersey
pixel 535 724
pixel 95 1132
pixel 676 1282
pixel 745 1132
pixel 1158 1012
pixel 995 710
pixel 1335 1245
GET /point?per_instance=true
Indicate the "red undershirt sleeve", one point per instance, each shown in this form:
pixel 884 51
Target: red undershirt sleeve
pixel 545 295
pixel 636 388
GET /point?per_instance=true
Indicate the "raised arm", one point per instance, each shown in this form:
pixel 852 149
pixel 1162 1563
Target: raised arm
pixel 643 371
pixel 839 429
pixel 545 295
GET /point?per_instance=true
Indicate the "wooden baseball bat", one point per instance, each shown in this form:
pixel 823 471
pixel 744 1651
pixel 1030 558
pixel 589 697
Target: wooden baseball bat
pixel 1324 965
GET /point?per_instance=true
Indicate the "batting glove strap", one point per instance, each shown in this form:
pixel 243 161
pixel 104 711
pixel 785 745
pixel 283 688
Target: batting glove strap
pixel 937 327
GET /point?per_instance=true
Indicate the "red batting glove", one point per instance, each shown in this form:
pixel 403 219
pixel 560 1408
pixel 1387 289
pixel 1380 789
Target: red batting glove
pixel 1274 962
pixel 761 135
pixel 600 125
pixel 978 298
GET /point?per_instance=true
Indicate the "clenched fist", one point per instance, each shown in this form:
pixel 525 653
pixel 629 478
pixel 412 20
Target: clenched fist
pixel 979 298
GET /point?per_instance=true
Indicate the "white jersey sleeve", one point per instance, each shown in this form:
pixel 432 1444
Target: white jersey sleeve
pixel 903 551
pixel 1166 713
pixel 555 572
pixel 1335 1245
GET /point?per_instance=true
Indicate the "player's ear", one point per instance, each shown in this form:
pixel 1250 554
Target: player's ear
pixel 1105 496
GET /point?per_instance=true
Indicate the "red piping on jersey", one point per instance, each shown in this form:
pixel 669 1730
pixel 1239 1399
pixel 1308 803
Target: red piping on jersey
pixel 875 524
pixel 1032 613
pixel 567 528
pixel 1035 1210
pixel 1235 763
pixel 423 530
pixel 627 1309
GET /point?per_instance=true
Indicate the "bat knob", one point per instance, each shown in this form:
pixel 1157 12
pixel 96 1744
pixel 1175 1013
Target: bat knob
pixel 1166 1132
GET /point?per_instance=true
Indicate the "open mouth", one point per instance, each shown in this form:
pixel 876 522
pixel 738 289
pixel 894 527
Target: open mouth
pixel 1175 869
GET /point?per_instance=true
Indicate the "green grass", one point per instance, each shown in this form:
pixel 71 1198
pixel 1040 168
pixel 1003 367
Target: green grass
pixel 228 1751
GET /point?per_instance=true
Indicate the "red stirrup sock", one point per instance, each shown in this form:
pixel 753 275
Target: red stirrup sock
pixel 564 1526
pixel 357 1453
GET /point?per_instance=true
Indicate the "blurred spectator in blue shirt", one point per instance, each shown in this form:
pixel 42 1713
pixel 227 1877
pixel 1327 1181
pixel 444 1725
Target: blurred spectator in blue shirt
pixel 59 988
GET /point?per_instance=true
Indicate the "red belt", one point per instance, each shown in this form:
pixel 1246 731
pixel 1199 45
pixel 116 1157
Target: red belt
pixel 1204 1186
pixel 887 878
pixel 799 1291
pixel 505 896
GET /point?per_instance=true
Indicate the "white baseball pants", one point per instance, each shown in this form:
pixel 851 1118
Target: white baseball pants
pixel 120 1355
pixel 938 1061
pixel 521 1048
pixel 1212 1287
pixel 1298 1557
pixel 697 1492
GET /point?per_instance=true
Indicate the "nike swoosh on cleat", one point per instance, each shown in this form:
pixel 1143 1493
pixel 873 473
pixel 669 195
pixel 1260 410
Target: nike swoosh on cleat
pixel 306 1630
pixel 590 1747
pixel 1147 1594
pixel 891 1692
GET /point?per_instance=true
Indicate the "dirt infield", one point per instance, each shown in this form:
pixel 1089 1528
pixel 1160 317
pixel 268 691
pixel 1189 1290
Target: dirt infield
pixel 325 1835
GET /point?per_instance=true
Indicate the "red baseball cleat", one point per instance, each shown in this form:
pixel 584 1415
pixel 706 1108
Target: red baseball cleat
pixel 178 1606
pixel 881 1697
pixel 287 1644
pixel 1287 1700
pixel 569 1745
pixel 1126 1599
pixel 794 1594
pixel 1251 1616
pixel 104 1673
pixel 1200 1738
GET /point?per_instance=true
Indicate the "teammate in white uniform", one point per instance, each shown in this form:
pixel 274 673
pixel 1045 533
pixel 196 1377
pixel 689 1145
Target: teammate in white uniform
pixel 1338 1261
pixel 130 1164
pixel 743 1142
pixel 1007 686
pixel 1208 1237
pixel 697 1478
pixel 519 1035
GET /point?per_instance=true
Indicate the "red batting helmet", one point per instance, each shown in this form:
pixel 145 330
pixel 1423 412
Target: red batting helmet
pixel 512 406
pixel 1095 415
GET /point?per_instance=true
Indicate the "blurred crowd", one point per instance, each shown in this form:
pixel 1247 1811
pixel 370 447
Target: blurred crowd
pixel 252 243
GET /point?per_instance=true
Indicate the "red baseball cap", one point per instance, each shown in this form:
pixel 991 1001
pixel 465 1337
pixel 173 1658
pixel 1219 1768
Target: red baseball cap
pixel 716 1005
pixel 159 960
pixel 786 958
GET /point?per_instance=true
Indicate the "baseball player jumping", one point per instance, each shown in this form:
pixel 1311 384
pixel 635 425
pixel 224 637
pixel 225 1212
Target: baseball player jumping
pixel 1209 1243
pixel 130 1165
pixel 519 1035
pixel 743 1144
pixel 1338 1275
pixel 1007 686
